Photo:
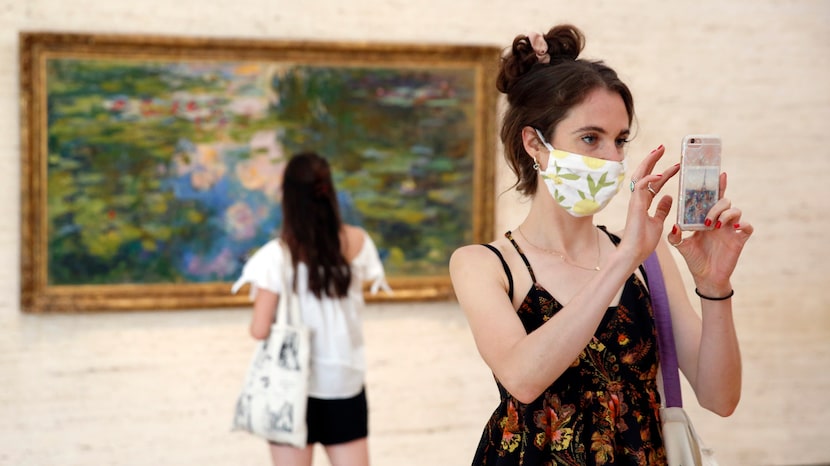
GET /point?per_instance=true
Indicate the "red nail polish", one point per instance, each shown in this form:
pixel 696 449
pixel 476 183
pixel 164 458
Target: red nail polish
pixel 736 226
pixel 659 174
pixel 674 229
pixel 707 222
pixel 660 147
pixel 718 225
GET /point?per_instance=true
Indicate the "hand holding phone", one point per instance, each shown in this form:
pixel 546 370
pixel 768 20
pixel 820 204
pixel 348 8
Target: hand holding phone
pixel 700 162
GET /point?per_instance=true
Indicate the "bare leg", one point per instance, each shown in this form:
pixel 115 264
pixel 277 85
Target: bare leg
pixel 354 453
pixel 285 455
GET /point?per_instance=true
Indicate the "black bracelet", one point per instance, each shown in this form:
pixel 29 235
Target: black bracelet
pixel 731 292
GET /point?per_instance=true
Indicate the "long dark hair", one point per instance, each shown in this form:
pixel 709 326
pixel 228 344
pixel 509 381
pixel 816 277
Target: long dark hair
pixel 311 225
pixel 540 94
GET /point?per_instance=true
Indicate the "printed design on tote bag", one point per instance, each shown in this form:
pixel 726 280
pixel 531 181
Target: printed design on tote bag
pixel 289 353
pixel 243 411
pixel 282 420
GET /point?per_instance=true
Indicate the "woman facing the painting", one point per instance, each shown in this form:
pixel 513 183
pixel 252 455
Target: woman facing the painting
pixel 331 261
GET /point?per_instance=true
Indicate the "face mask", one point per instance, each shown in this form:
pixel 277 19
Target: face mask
pixel 582 185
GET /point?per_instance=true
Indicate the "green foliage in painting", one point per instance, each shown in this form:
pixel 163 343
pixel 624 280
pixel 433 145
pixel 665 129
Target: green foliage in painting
pixel 170 172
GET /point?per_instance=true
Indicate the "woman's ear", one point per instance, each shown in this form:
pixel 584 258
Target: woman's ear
pixel 534 147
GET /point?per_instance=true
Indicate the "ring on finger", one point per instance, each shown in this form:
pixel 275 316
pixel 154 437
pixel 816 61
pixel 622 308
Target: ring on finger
pixel 677 243
pixel 633 182
pixel 651 190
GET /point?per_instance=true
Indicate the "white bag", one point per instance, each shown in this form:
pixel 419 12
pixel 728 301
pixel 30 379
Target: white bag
pixel 274 398
pixel 683 446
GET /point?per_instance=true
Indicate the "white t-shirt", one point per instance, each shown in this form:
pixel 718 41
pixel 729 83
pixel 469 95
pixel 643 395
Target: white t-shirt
pixel 338 363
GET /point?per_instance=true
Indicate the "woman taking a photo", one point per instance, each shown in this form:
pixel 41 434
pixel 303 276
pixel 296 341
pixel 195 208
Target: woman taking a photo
pixel 558 307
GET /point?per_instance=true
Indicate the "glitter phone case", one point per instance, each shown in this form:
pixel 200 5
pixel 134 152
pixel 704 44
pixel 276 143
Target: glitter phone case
pixel 699 179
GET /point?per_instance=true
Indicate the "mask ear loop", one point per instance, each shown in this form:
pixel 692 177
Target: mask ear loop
pixel 536 165
pixel 544 142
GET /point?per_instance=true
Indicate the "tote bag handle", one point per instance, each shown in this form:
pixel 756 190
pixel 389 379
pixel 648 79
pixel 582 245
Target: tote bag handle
pixel 288 310
pixel 665 336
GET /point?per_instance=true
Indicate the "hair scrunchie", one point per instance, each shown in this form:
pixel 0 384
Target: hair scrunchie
pixel 540 46
pixel 321 190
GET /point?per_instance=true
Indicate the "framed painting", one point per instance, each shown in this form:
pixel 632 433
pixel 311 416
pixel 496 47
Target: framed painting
pixel 152 166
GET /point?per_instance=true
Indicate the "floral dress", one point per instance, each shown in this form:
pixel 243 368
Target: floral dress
pixel 603 410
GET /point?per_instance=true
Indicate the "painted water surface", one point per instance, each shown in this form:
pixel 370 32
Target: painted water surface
pixel 171 172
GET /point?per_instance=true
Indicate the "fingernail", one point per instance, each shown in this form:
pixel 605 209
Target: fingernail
pixel 717 225
pixel 677 164
pixel 659 175
pixel 707 222
pixel 736 226
pixel 674 229
pixel 660 147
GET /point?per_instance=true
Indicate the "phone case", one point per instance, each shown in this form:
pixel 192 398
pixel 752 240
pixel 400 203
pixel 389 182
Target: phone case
pixel 699 180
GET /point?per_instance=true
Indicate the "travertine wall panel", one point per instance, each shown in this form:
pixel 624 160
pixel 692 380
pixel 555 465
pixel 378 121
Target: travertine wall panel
pixel 157 388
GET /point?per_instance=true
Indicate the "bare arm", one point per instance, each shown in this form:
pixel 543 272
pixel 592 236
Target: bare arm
pixel 526 364
pixel 708 350
pixel 265 308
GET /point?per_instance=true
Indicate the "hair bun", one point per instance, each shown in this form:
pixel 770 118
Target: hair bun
pixel 564 42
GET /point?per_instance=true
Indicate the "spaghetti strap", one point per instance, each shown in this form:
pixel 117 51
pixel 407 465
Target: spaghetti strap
pixel 509 235
pixel 616 240
pixel 506 270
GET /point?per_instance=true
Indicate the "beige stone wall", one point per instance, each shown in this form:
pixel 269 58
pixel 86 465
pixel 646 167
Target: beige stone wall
pixel 156 388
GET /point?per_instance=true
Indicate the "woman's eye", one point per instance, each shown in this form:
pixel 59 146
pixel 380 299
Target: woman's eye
pixel 589 139
pixel 621 142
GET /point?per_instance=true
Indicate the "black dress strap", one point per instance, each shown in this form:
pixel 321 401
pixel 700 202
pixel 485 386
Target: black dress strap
pixel 506 270
pixel 616 240
pixel 509 235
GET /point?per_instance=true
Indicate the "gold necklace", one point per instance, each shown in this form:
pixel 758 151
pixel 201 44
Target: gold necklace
pixel 562 256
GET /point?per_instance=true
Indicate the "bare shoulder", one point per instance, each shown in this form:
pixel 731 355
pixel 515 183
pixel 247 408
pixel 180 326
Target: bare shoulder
pixel 479 280
pixel 475 257
pixel 352 240
pixel 353 232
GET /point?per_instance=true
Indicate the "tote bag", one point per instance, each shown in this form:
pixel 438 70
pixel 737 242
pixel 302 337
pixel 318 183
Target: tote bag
pixel 683 446
pixel 274 397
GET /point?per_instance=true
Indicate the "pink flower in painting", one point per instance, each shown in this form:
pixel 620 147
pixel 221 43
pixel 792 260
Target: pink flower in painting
pixel 263 171
pixel 203 179
pixel 266 142
pixel 191 107
pixel 252 173
pixel 221 265
pixel 252 107
pixel 240 221
pixel 205 167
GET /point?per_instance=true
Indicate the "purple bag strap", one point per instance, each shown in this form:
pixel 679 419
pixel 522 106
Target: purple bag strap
pixel 665 337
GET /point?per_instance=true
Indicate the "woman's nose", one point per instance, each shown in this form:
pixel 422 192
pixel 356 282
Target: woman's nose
pixel 612 153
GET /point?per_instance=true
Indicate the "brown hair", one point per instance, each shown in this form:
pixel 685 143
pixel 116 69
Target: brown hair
pixel 311 225
pixel 541 94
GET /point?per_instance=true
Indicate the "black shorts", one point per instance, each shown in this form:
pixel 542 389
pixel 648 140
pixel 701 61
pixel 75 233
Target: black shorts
pixel 337 421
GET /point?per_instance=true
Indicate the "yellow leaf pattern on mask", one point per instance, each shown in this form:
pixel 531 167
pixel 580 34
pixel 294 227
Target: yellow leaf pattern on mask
pixel 593 162
pixel 559 154
pixel 585 207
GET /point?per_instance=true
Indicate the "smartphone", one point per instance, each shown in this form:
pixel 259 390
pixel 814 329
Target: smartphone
pixel 700 162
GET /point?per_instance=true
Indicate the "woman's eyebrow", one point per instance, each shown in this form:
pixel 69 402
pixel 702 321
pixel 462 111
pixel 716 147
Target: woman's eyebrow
pixel 597 129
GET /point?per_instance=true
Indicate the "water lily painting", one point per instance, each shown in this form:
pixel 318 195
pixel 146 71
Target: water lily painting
pixel 153 165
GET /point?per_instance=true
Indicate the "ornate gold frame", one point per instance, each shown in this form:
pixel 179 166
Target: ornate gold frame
pixel 37 295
